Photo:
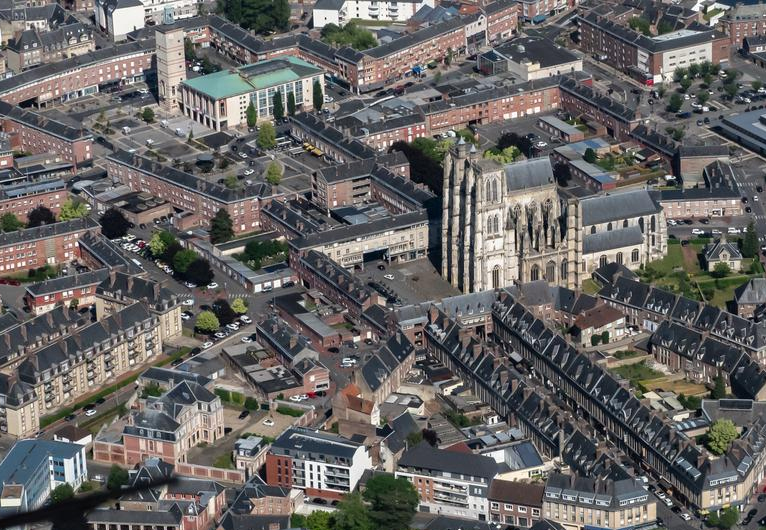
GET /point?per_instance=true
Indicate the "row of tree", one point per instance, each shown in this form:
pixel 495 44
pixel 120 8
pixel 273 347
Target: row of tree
pixel 260 16
pixel 42 215
pixel 220 314
pixel 278 106
pixel 184 261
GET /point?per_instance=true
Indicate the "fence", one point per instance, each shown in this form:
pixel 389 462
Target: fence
pixel 214 473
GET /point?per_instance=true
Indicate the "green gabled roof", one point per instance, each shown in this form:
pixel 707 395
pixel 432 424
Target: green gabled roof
pixel 256 76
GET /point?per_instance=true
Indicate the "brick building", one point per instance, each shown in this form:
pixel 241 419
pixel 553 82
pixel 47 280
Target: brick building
pixel 33 48
pixel 22 197
pixel 742 21
pixel 515 503
pixel 42 297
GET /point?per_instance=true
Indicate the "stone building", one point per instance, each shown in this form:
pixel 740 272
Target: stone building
pixel 506 224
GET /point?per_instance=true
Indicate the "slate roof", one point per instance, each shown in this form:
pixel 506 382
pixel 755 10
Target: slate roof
pixel 403 425
pixel 425 457
pixel 612 239
pixel 390 355
pixel 126 286
pixel 305 441
pixel 64 283
pixel 614 206
pixel 512 492
pixel 713 251
pixel 530 173
pixel 753 292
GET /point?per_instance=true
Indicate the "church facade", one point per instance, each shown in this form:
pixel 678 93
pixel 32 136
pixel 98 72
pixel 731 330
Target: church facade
pixel 506 224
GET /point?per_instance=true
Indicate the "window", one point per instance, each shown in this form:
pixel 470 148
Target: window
pixel 602 261
pixel 564 269
pixel 592 229
pixel 634 255
pixel 494 506
pixel 534 274
pixel 619 258
pixel 521 509
pixel 496 277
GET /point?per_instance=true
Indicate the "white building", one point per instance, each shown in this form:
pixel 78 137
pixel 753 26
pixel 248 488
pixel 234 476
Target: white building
pixel 339 12
pixel 119 17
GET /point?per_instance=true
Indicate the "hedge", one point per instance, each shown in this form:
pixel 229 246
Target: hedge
pixel 289 411
pixel 251 403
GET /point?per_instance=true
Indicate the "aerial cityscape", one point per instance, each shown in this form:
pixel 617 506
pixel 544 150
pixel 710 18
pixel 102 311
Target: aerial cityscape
pixel 382 265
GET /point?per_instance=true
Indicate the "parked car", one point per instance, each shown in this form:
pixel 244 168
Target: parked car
pixel 244 414
pixel 268 422
pixel 206 345
pixel 389 276
pixel 246 319
pixel 90 412
pixel 232 326
pixel 212 285
pixel 188 302
pixel 246 340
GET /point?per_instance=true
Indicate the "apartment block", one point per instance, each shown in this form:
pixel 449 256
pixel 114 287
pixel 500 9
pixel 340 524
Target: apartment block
pixel 165 427
pixel 743 21
pixel 54 244
pixel 515 503
pixel 33 48
pixel 34 468
pixel 321 464
pixel 77 290
pixel 448 482
pixel 19 198
pixel 385 370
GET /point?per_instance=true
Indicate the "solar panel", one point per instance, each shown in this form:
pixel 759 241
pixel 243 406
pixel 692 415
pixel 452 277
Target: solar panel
pixel 735 404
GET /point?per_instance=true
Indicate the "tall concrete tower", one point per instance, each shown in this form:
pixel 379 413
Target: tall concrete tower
pixel 171 64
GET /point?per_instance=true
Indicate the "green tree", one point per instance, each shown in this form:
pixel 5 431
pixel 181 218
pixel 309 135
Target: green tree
pixel 505 156
pixel 279 107
pixel 352 514
pixel 719 388
pixel 605 337
pixel 160 241
pixel 267 136
pixel 728 518
pixel 678 74
pixel 147 115
pixel 207 321
pixel 72 210
pixel 675 103
pixel 721 270
pixel 318 96
pixel 685 84
pixel 190 53
pixel 589 155
pixel 274 173
pixel 290 104
pixel 231 182
pixel 702 97
pixel 595 340
pixel 661 90
pixel 118 477
pixel 694 68
pixel 393 501
pixel 350 35
pixel 74 303
pixel 750 242
pixel 114 224
pixel 239 306
pixel 448 57
pixel 199 272
pixel 756 85
pixel 221 227
pixel 61 493
pixel 640 24
pixel 707 79
pixel 183 259
pixel 252 115
pixel 39 216
pixel 730 89
pixel 10 223
pixel 153 389
pixel 720 435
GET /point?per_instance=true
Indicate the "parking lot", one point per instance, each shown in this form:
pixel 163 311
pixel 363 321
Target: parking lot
pixel 412 282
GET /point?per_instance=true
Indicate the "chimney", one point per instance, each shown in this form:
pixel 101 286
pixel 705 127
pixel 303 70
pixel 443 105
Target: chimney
pixel 504 378
pixel 293 341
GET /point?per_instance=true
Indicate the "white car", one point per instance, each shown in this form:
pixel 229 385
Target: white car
pixel 220 335
pixel 296 399
pixel 348 360
pixel 697 232
pixel 661 495
pixel 190 285
pixel 329 99
pixel 184 316
pixel 206 345
pixel 755 198
pixel 129 237
pixel 188 301
pixel 246 319
pixel 686 97
pixel 696 105
pixel 715 232
pixel 763 248
pixel 668 503
pixel 249 172
pixel 733 230
pixel 388 276
pixel 212 285
pixel 268 422
pixel 242 155
pixel 90 412
pixel 541 144
pixel 685 517
pixel 671 222
pixel 232 326
pixel 247 340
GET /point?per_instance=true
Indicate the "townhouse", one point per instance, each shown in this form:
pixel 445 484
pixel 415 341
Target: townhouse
pixel 184 504
pixel 249 455
pixel 750 298
pixel 384 371
pixel 77 290
pixel 538 10
pixel 581 99
pixel 339 13
pixel 191 193
pixel 447 482
pixel 515 503
pixel 166 427
pixel 54 244
pixel 33 48
pixel 34 468
pixel 321 464
pixel 256 498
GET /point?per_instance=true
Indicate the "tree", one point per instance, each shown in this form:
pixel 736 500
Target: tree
pixel 10 223
pixel 702 97
pixel 207 322
pixel 605 337
pixel 523 143
pixel 352 514
pixel 393 501
pixel 221 227
pixel 231 182
pixel 239 306
pixel 506 156
pixel 641 24
pixel 252 115
pixel 660 89
pixel 274 173
pixel 279 107
pixel 261 16
pixel 350 35
pixel 728 518
pixel 675 103
pixel 448 57
pixel 183 259
pixel 74 303
pixel 72 210
pixel 114 224
pixel 721 270
pixel 730 89
pixel 720 435
pixel 756 85
pixel 750 242
pixel 267 136
pixel 147 115
pixel 290 104
pixel 61 493
pixel 40 216
pixel 223 163
pixel 318 96
pixel 589 155
pixel 679 73
pixel 118 477
pixel 199 272
pixel 719 388
pixel 694 68
pixel 707 80
pixel 685 83
pixel 223 311
pixel 562 174
pixel 595 340
pixel 170 252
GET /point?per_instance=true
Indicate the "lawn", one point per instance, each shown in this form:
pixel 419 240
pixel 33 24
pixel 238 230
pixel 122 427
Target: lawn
pixel 626 354
pixel 636 373
pixel 224 462
pixel 590 287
